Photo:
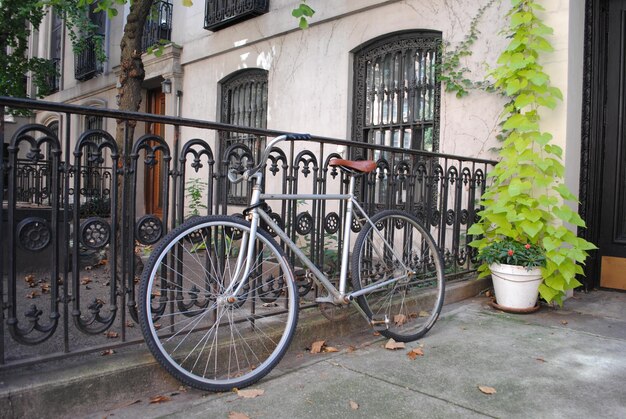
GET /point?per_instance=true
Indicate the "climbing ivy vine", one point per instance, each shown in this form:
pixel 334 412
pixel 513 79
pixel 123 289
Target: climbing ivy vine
pixel 527 199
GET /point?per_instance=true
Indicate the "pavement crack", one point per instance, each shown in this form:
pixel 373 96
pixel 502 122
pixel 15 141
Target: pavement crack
pixel 422 392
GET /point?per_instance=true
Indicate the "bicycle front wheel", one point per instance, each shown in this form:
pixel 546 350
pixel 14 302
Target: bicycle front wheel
pixel 203 332
pixel 398 252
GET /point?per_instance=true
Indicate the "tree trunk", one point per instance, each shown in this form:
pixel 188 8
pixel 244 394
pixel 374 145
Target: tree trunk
pixel 129 90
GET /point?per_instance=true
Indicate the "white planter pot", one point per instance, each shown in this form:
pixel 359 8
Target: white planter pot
pixel 515 286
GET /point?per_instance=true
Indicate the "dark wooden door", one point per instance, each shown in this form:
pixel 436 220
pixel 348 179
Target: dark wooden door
pixel 154 174
pixel 612 241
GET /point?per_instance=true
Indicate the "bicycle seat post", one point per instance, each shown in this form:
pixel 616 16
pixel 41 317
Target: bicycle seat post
pixel 346 237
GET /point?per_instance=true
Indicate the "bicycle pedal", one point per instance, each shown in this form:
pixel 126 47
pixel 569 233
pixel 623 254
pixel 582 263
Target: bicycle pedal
pixel 379 323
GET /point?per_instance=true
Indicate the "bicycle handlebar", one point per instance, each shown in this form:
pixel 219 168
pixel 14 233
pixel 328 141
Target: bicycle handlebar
pixel 232 173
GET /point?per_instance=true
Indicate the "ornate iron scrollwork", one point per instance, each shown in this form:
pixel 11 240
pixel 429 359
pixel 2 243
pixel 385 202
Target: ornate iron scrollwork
pixel 331 223
pixel 34 234
pixel 149 229
pixel 304 223
pixel 95 233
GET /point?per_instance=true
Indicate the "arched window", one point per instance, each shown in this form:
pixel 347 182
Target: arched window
pixel 244 103
pixel 396 94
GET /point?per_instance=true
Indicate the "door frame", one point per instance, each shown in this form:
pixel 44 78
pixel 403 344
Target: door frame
pixel 593 131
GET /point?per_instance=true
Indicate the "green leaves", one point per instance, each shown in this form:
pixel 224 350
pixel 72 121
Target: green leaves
pixel 302 12
pixel 527 199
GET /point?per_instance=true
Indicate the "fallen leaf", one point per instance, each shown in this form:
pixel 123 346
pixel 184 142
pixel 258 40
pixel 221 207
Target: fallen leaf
pixel 103 262
pixel 354 405
pixel 399 319
pixel 270 305
pixel 30 280
pixel 351 349
pixel 88 268
pixel 157 326
pixel 182 388
pixel 540 360
pixel 487 389
pixel 85 281
pixel 250 393
pixel 111 334
pixel 107 352
pixel 237 415
pixel 130 323
pixel 45 288
pixel 330 349
pixel 488 294
pixel 376 333
pixel 415 352
pixel 423 314
pixel 159 399
pixel 563 322
pixel 32 294
pixel 393 345
pixel 316 347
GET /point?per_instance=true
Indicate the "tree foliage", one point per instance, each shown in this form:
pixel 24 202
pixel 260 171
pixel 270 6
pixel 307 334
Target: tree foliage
pixel 18 17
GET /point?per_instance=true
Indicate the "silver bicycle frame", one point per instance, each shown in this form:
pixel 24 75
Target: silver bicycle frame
pixel 339 296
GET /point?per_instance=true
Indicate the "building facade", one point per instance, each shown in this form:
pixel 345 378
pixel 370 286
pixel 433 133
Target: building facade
pixel 365 71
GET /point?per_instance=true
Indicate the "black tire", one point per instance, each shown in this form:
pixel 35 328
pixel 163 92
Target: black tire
pixel 204 336
pixel 411 306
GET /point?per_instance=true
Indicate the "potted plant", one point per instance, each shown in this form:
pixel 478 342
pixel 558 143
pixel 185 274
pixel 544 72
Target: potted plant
pixel 515 269
pixel 526 203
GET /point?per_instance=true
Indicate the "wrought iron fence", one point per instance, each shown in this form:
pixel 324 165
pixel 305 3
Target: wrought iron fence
pixel 69 281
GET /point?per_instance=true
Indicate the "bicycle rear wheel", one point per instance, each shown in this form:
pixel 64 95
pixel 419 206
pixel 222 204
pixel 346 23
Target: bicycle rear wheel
pixel 195 326
pixel 410 305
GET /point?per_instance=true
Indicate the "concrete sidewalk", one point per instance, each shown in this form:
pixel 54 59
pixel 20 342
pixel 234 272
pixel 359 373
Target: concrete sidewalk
pixel 554 363
pixel 567 363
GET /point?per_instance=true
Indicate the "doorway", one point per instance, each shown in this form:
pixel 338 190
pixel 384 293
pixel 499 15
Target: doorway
pixel 603 170
pixel 153 176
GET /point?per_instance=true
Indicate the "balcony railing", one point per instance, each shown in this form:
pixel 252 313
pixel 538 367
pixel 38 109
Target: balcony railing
pixel 220 14
pixel 159 26
pixel 86 64
pixel 54 80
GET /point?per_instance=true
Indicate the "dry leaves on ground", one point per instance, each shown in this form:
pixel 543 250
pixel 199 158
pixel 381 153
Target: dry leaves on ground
pixel 392 345
pixel 250 393
pixel 30 280
pixel 237 415
pixel 414 353
pixel 354 405
pixel 32 294
pixel 159 399
pixel 399 319
pixel 320 346
pixel 107 352
pixel 487 389
pixel 45 288
pixel 85 281
pixel 111 334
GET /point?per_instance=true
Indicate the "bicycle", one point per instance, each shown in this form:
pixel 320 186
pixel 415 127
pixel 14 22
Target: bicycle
pixel 232 294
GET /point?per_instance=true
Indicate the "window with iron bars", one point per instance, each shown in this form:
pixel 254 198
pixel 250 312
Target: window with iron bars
pixel 90 166
pixel 244 103
pixel 86 63
pixel 396 96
